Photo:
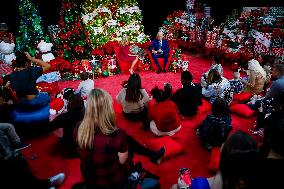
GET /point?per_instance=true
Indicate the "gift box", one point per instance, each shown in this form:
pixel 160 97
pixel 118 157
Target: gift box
pixel 193 35
pixel 262 42
pixel 211 40
pixel 7 37
pixel 278 52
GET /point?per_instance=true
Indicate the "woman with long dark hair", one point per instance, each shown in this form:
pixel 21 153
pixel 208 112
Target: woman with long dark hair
pixel 218 86
pixel 134 99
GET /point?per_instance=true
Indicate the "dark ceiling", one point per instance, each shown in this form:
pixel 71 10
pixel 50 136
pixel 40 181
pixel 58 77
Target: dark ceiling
pixel 154 11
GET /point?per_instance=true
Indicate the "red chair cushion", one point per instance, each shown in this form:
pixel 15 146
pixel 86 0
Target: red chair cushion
pixel 160 60
pixel 214 160
pixel 172 147
pixel 244 96
pixel 205 107
pixel 242 110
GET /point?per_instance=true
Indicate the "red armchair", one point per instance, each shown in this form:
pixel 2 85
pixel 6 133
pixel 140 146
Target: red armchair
pixel 124 66
pixel 160 60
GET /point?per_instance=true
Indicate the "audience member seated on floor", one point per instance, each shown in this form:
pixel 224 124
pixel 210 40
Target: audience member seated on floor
pixel 130 53
pixel 23 81
pixel 134 99
pixel 15 171
pixel 272 165
pixel 215 65
pixel 68 121
pixel 105 150
pixel 189 97
pixel 168 90
pixel 160 49
pixel 236 83
pixel 216 127
pixel 277 87
pixel 268 69
pixel 218 86
pixel 256 78
pixel 239 155
pixel 85 86
pixel 9 140
pixel 8 100
pixel 273 101
pixel 164 116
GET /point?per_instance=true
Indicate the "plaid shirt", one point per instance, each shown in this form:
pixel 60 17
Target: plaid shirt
pixel 100 166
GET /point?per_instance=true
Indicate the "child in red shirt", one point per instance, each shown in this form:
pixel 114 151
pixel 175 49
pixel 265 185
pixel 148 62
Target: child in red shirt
pixel 164 116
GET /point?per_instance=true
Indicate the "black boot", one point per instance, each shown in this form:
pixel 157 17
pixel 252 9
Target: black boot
pixel 157 156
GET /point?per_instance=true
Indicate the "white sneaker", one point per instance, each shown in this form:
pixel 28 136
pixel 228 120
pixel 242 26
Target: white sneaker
pixel 56 180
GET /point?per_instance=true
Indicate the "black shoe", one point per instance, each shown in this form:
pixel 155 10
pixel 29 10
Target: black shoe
pixel 159 71
pixel 157 156
pixel 137 167
pixel 164 70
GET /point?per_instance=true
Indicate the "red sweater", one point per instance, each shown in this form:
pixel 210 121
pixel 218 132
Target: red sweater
pixel 166 116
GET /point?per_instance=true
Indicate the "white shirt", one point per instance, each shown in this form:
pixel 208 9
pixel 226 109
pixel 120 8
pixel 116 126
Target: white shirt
pixel 85 87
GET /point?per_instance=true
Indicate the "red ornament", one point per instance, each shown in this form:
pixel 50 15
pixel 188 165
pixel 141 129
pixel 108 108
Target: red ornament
pixel 234 66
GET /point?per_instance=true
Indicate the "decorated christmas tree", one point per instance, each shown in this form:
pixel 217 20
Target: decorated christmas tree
pixel 109 20
pixel 72 42
pixel 30 30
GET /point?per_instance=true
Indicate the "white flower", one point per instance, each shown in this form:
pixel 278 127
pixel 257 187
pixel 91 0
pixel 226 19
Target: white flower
pixel 86 18
pixel 44 47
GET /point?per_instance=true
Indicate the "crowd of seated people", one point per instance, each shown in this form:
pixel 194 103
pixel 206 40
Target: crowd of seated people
pixel 106 151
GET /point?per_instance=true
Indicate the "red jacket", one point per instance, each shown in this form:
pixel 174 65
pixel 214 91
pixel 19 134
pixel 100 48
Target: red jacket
pixel 166 116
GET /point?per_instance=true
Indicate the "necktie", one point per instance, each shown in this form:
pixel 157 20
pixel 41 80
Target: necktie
pixel 159 45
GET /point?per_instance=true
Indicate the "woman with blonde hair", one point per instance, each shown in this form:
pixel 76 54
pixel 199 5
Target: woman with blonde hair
pixel 130 53
pixel 256 78
pixel 105 154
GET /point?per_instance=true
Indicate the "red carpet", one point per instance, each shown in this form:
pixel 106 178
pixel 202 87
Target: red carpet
pixel 50 161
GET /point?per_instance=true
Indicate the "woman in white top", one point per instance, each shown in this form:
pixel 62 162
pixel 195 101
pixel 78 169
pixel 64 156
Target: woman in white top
pixel 134 99
pixel 85 86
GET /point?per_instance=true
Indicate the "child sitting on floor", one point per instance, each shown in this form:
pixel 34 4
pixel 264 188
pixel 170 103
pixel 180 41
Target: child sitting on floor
pixel 164 116
pixel 85 86
pixel 214 130
pixel 236 83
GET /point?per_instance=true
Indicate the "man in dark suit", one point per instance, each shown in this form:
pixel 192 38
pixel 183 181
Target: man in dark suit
pixel 160 49
pixel 189 97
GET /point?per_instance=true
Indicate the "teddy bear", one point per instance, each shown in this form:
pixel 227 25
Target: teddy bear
pixel 7 54
pixel 45 51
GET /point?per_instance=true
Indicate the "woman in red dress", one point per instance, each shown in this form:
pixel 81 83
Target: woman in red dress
pixel 130 53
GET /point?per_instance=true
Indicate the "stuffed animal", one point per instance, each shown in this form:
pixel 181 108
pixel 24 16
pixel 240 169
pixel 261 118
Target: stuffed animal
pixel 7 52
pixel 45 51
pixel 59 104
